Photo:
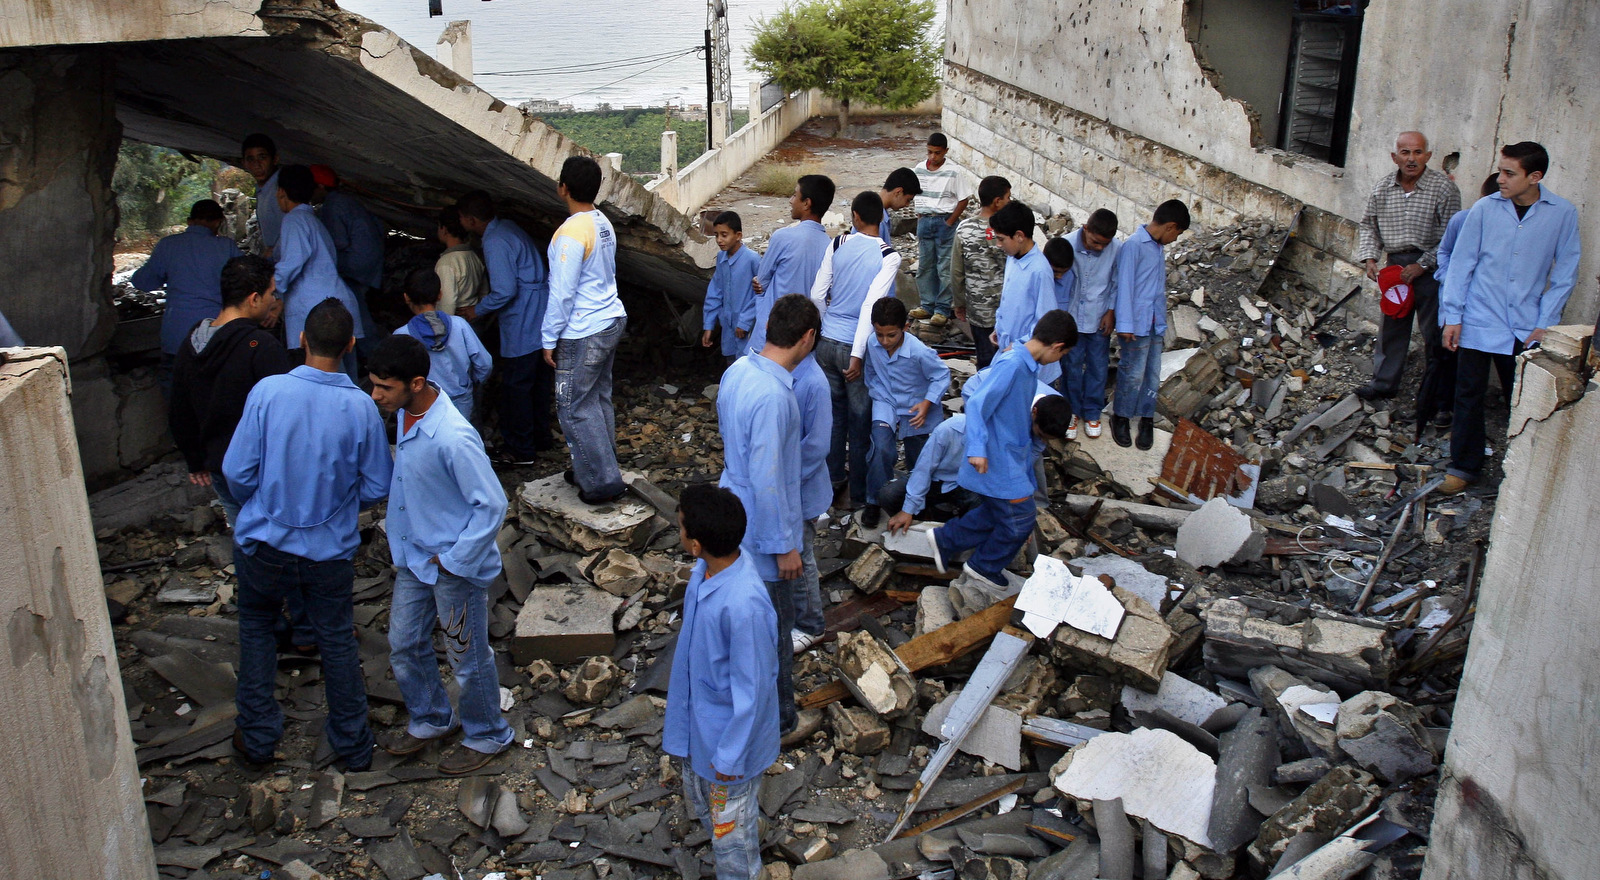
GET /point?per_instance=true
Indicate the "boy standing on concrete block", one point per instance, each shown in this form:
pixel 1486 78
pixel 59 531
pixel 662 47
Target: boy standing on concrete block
pixel 458 361
pixel 907 381
pixel 1083 376
pixel 999 465
pixel 899 191
pixel 1141 318
pixel 445 509
pixel 794 253
pixel 978 266
pixel 1029 290
pixel 730 298
pixel 761 438
pixel 722 712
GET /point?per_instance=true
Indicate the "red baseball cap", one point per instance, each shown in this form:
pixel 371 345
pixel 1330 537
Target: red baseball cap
pixel 324 176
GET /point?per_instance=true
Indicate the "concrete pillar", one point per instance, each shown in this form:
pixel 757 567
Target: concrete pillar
pixel 719 124
pixel 669 154
pixel 755 99
pixel 73 802
pixel 456 48
pixel 614 160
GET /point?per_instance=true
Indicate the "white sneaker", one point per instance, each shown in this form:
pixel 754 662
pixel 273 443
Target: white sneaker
pixel 802 640
pixel 933 545
pixel 1072 429
pixel 979 579
pixel 1092 429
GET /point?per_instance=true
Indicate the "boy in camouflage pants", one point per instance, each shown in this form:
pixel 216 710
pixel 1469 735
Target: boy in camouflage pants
pixel 978 267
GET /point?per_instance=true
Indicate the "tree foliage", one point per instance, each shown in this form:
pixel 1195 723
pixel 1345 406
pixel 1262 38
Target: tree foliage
pixel 636 134
pixel 878 52
pixel 156 187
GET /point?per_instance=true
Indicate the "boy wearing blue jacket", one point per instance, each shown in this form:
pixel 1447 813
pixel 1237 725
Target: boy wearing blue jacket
pixel 722 700
pixel 457 360
pixel 1029 290
pixel 907 381
pixel 999 465
pixel 1141 316
pixel 730 298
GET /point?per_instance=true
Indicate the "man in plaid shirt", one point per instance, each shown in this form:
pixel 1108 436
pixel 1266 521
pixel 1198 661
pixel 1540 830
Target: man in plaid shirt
pixel 1406 215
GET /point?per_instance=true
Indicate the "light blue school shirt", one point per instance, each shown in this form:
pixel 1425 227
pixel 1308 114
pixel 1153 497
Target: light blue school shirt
pixel 1095 290
pixel 941 461
pixel 1141 281
pixel 722 699
pixel 899 381
pixel 189 265
pixel 760 424
pixel 811 394
pixel 308 454
pixel 445 500
pixel 1000 427
pixel 730 300
pixel 884 225
pixel 853 270
pixel 518 286
pixel 357 237
pixel 462 362
pixel 269 217
pixel 1510 276
pixel 583 279
pixel 1447 243
pixel 308 272
pixel 1029 291
pixel 794 254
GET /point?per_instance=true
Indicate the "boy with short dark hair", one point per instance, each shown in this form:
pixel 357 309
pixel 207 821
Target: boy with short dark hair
pixel 999 465
pixel 1083 376
pixel 458 360
pixel 722 711
pixel 307 264
pixel 946 190
pixel 1141 316
pixel 978 267
pixel 730 298
pixel 1029 290
pixel 907 381
pixel 188 265
pixel 900 189
pixel 258 154
pixel 794 253
pixel 462 279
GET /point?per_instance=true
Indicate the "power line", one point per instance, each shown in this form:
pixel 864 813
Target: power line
pixel 592 66
pixel 632 75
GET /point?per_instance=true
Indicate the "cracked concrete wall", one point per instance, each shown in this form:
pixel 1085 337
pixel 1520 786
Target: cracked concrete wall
pixel 73 802
pixel 1517 799
pixel 1106 104
pixel 35 23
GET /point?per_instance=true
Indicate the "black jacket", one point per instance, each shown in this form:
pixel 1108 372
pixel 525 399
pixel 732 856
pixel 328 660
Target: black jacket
pixel 209 388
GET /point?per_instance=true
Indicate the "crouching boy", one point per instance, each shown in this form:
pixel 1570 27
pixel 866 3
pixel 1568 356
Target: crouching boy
pixel 907 381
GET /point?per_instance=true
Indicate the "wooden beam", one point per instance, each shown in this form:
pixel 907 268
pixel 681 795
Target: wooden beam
pixel 977 803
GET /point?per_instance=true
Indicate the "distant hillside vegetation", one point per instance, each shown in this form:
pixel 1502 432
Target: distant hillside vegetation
pixel 636 134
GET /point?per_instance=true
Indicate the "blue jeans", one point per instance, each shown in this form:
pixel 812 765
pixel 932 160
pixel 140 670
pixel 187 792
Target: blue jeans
pixel 267 578
pixel 461 607
pixel 807 589
pixel 852 418
pixel 1083 380
pixel 1138 376
pixel 298 625
pixel 885 452
pixel 782 595
pixel 935 243
pixel 995 530
pixel 736 807
pixel 525 395
pixel 583 403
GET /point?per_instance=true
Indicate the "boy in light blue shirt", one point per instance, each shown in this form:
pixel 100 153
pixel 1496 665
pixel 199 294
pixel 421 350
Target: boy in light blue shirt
pixel 907 381
pixel 794 253
pixel 1141 318
pixel 1029 290
pixel 816 496
pixel 730 298
pixel 307 266
pixel 189 265
pixel 722 705
pixel 458 362
pixel 1083 376
pixel 446 507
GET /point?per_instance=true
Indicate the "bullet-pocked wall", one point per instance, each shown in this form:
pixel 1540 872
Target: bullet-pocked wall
pixel 1090 103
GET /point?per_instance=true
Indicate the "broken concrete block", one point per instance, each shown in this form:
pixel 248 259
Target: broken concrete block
pixel 594 681
pixel 1178 697
pixel 1301 772
pixel 855 864
pixel 550 508
pixel 1055 596
pixel 1156 774
pixel 1138 656
pixel 183 588
pixel 1184 322
pixel 933 609
pixel 1131 469
pixel 1328 807
pixel 1219 533
pixel 564 624
pixel 976 867
pixel 856 730
pixel 616 571
pixel 298 870
pixel 996 738
pixel 1189 386
pixel 1127 574
pixel 1244 633
pixel 871 570
pixel 1246 757
pixel 1310 710
pixel 874 674
pixel 1385 735
pixel 807 850
pixel 912 542
pixel 327 795
pixel 1543 385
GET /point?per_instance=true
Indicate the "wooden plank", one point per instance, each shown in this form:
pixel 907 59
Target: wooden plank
pixel 927 571
pixel 978 803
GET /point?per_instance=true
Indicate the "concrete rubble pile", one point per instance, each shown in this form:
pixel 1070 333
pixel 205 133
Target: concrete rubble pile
pixel 1232 655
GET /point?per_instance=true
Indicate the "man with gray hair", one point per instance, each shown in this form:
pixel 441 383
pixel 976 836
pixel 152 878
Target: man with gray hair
pixel 1405 217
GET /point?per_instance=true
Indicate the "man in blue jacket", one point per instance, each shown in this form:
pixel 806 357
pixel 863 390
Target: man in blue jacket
pixel 189 265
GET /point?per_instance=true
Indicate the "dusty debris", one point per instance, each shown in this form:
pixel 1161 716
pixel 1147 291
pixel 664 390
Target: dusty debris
pixel 1243 633
pixel 563 624
pixel 871 570
pixel 874 675
pixel 1385 735
pixel 1219 533
pixel 1155 774
pixel 1137 656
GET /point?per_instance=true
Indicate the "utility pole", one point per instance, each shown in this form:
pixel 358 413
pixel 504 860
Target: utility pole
pixel 719 70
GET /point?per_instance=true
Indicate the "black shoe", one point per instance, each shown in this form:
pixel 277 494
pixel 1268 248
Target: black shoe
pixel 1373 392
pixel 243 755
pixel 597 500
pixel 571 476
pixel 503 457
pixel 870 516
pixel 1119 431
pixel 1147 434
pixel 1444 419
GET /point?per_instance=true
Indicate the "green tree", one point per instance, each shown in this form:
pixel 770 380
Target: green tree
pixel 156 186
pixel 869 51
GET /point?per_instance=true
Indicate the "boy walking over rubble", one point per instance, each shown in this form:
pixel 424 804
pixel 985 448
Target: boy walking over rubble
pixel 907 382
pixel 978 266
pixel 722 713
pixel 1141 318
pixel 999 465
pixel 445 509
pixel 296 536
pixel 1083 375
pixel 730 298
pixel 794 253
pixel 457 359
pixel 761 437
